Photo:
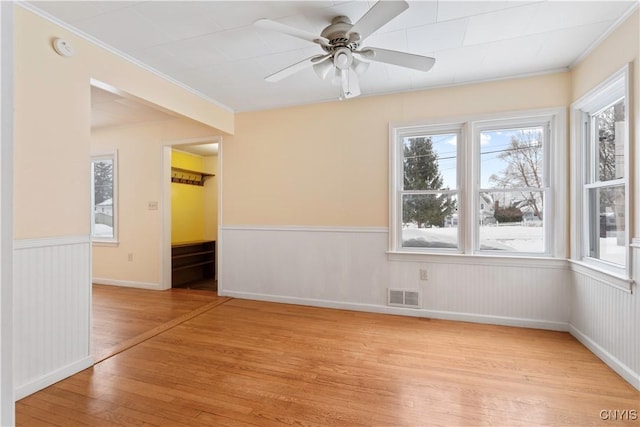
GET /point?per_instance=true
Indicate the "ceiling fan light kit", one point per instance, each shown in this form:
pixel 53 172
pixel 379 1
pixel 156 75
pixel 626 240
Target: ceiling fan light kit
pixel 341 41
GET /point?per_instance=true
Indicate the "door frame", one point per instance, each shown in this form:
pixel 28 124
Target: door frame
pixel 165 243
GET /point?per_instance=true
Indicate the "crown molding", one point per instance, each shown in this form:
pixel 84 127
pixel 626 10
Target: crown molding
pixel 41 13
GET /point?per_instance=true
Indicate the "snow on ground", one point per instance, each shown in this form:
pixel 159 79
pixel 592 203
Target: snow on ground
pixel 515 238
pixel 102 230
pixel 611 251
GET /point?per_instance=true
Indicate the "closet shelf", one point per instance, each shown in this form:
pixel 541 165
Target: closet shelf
pixel 186 176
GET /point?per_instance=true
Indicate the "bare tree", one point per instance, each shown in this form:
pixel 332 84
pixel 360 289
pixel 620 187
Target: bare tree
pixel 524 168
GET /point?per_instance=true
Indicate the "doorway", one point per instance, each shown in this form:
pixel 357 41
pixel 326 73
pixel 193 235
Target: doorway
pixel 193 212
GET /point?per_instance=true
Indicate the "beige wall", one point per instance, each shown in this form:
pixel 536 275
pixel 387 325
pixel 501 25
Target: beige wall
pixel 620 48
pixel 327 164
pixel 52 121
pixel 139 182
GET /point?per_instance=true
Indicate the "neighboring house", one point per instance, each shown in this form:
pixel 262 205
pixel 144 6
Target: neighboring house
pixel 105 207
pixel 103 214
pixel 486 209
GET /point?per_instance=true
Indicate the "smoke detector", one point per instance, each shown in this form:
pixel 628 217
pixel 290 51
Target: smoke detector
pixel 63 47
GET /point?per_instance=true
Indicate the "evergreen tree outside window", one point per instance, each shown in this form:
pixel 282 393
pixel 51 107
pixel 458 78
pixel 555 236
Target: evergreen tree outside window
pixel 429 190
pixel 103 198
pixel 487 185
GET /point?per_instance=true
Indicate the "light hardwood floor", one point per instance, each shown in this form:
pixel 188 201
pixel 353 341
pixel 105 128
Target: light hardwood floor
pixel 244 362
pixel 122 317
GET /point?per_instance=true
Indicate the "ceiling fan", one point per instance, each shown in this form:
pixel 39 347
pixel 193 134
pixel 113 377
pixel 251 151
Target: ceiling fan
pixel 343 59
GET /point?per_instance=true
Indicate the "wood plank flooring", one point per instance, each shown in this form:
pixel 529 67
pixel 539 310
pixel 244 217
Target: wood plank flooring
pixel 122 317
pixel 254 363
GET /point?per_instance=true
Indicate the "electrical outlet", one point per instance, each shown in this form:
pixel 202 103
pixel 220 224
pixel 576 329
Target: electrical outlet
pixel 423 274
pixel 130 257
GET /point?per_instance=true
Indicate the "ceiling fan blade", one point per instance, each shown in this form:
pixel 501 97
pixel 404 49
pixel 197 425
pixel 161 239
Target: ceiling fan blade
pixel 323 67
pixel 403 59
pixel 268 24
pixel 379 14
pixel 292 69
pixel 349 84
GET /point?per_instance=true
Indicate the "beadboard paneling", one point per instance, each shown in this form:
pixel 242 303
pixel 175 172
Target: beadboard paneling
pixel 350 268
pixel 605 319
pixel 52 302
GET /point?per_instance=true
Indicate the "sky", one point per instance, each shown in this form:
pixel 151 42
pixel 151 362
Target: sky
pixel 491 145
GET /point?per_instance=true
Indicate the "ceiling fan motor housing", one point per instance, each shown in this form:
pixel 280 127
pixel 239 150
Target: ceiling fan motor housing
pixel 336 33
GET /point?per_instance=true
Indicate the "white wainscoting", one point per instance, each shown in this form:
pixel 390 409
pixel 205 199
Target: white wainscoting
pixel 349 268
pixel 605 319
pixel 52 310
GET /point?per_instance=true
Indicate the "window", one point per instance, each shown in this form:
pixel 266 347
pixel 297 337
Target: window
pixel 601 147
pixel 483 186
pixel 513 187
pixel 103 198
pixel 428 188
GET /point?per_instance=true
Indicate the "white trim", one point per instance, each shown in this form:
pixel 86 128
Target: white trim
pixel 107 154
pixel 165 197
pixel 304 228
pixel 434 314
pixel 30 7
pixel 53 377
pixel 126 283
pixel 609 359
pixel 555 189
pixel 7 357
pixel 604 93
pixel 44 242
pixel 218 264
pixel 107 243
pixel 635 242
pixel 603 36
pixel 192 141
pixel 616 281
pixel 474 259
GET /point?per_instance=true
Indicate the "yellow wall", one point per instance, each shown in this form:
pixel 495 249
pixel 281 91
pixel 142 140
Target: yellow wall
pixel 327 164
pixel 140 181
pixel 187 201
pixel 211 199
pixel 52 122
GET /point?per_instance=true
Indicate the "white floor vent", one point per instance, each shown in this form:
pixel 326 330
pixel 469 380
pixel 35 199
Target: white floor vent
pixel 403 298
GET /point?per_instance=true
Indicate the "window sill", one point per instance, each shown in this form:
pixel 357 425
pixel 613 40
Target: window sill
pixel 112 243
pixel 478 259
pixel 618 281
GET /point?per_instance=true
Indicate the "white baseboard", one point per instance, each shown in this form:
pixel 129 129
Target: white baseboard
pixel 126 283
pixel 53 377
pixel 434 314
pixel 621 369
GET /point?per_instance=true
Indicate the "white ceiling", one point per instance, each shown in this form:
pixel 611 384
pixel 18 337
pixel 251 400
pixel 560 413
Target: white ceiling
pixel 213 48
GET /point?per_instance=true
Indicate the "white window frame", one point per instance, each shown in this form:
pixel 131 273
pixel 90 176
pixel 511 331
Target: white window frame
pixel 605 94
pixel 396 170
pixel 113 156
pixel 468 172
pixel 547 123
